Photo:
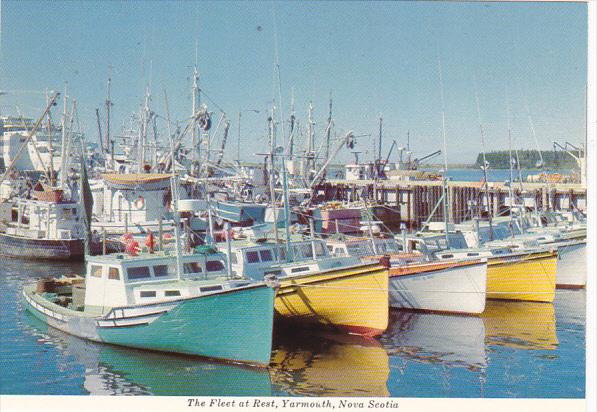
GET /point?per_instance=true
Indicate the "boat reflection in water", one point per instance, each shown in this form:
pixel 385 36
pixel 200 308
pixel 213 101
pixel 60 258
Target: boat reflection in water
pixel 450 340
pixel 571 306
pixel 520 325
pixel 325 364
pixel 114 370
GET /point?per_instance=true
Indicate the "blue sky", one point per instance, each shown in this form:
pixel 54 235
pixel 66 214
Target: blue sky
pixel 375 57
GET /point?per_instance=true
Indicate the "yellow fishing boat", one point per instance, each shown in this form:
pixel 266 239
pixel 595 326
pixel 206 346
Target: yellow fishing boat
pixel 353 299
pixel 523 276
pixel 317 288
pixel 526 275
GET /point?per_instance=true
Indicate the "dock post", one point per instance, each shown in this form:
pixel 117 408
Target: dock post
pixel 104 246
pixel 408 210
pixel 126 223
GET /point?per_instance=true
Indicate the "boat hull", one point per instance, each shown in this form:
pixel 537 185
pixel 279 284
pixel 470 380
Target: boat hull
pixel 526 277
pixel 572 266
pixel 354 300
pixel 42 249
pixel 233 326
pixel 453 287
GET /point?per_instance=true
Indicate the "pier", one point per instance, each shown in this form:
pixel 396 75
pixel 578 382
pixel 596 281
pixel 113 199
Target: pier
pixel 416 200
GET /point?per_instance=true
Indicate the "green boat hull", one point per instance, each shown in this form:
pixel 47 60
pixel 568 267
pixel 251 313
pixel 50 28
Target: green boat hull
pixel 234 325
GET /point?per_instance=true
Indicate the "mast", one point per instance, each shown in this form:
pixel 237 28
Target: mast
pixel 379 165
pixel 485 165
pixel 510 189
pixel 310 140
pixel 328 132
pixel 196 104
pixel 63 144
pixel 108 104
pixel 272 142
pixel 444 177
pixel 174 189
pixel 52 181
pixel 292 125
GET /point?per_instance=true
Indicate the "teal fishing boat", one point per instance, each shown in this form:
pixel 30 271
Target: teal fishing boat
pixel 188 304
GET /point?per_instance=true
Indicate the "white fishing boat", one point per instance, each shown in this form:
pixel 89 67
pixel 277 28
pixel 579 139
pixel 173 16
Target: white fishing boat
pixel 416 282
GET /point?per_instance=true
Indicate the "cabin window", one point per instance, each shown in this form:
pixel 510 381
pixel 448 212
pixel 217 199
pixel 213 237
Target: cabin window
pixel 192 267
pixel 447 256
pixel 214 265
pixel 331 248
pixel 472 254
pixel 96 271
pixel 147 294
pixel 340 251
pixel 301 269
pixel 252 257
pixel 210 288
pixel 114 273
pixel 273 272
pixel 139 272
pixel 170 293
pixel 160 270
pixel 319 249
pixel 266 255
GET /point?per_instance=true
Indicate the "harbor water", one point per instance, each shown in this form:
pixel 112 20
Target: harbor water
pixel 515 349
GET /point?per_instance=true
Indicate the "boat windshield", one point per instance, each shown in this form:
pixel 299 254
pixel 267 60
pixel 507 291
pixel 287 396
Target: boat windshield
pixel 360 248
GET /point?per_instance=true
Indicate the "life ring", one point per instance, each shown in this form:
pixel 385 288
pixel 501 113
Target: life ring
pixel 140 203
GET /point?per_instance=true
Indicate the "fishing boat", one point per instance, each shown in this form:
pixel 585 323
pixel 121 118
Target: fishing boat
pixel 132 203
pixel 44 229
pixel 158 301
pixel 571 271
pixel 419 283
pixel 339 292
pixel 242 213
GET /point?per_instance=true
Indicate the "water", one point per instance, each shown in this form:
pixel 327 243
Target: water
pixel 528 350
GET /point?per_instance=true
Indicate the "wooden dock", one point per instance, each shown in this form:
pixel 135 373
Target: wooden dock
pixel 416 200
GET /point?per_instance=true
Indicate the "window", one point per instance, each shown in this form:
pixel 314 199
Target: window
pixel 114 273
pixel 301 269
pixel 252 257
pixel 273 272
pixel 138 272
pixel 147 294
pixel 447 256
pixel 214 265
pixel 96 271
pixel 192 267
pixel 210 288
pixel 319 249
pixel 472 254
pixel 172 293
pixel 266 255
pixel 160 270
